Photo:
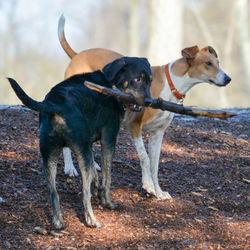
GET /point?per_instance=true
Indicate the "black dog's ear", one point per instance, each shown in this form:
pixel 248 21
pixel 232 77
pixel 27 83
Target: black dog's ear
pixel 147 65
pixel 143 63
pixel 146 61
pixel 111 69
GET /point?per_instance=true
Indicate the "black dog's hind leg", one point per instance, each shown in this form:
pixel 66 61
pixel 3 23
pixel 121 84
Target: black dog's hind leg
pixel 89 174
pixel 107 150
pixel 50 169
pixel 95 183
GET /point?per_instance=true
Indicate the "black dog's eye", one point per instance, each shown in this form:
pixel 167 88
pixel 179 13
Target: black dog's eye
pixel 138 80
pixel 209 63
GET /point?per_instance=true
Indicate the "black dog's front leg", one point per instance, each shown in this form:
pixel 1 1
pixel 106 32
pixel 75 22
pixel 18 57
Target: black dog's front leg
pixel 108 149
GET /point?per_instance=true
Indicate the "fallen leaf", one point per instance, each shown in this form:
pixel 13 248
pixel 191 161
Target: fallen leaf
pixel 213 208
pixel 198 220
pixel 169 215
pixel 197 194
pixel 246 180
pixel 40 230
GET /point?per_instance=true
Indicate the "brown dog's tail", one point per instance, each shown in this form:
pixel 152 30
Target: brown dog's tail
pixel 60 30
pixel 44 107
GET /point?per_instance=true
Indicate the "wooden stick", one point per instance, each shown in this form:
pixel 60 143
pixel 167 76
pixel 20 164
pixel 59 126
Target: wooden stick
pixel 108 91
pixel 159 103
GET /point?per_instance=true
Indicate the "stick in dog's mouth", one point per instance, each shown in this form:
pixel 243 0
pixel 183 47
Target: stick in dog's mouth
pixel 128 99
pixel 133 107
pixel 159 103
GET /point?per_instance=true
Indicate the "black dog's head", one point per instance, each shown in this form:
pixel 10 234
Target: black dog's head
pixel 132 75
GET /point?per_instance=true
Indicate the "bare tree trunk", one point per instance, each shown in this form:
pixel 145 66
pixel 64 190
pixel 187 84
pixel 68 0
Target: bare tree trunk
pixel 133 49
pixel 243 24
pixel 223 92
pixel 9 37
pixel 202 24
pixel 164 31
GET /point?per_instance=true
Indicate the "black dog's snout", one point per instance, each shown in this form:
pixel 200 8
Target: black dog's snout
pixel 148 101
pixel 227 79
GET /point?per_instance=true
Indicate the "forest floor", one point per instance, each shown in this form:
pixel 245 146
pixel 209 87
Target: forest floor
pixel 204 165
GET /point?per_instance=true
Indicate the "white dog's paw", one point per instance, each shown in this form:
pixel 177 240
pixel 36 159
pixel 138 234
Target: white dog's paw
pixel 70 170
pixel 163 196
pixel 98 168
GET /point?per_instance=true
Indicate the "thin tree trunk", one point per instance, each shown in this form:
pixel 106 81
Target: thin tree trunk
pixel 133 29
pixel 223 96
pixel 243 24
pixel 165 33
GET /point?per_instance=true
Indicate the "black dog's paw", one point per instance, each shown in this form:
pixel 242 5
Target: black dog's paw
pixel 110 205
pixel 58 224
pixel 145 194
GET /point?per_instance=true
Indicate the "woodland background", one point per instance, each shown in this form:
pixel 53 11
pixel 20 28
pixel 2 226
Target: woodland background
pixel 30 51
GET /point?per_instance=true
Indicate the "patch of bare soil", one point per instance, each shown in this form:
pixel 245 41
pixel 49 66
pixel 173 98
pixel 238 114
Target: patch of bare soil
pixel 204 165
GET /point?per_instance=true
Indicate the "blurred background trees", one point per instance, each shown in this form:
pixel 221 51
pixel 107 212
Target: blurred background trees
pixel 157 29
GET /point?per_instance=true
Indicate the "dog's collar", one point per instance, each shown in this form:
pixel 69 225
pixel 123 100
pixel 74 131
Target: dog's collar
pixel 176 93
pixel 124 107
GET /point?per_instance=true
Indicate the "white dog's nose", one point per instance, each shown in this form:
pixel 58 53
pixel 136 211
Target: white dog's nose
pixel 227 79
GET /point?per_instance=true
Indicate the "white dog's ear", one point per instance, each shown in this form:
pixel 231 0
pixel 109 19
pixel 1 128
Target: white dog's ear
pixel 211 50
pixel 190 52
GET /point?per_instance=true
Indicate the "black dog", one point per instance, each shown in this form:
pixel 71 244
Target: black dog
pixel 74 116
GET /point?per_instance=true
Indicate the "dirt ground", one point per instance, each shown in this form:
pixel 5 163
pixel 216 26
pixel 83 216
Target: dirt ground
pixel 204 165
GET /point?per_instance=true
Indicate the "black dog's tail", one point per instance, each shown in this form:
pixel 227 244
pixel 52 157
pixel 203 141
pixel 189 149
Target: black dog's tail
pixel 30 103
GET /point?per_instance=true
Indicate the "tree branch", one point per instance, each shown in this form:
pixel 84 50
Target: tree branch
pixel 159 103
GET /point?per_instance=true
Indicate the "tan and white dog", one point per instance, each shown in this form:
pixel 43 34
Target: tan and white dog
pixel 170 82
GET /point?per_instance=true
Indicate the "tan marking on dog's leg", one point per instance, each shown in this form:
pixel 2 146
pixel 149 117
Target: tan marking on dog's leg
pixel 135 129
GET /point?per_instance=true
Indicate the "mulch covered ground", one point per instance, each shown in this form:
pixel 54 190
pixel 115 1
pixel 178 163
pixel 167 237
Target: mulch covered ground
pixel 204 166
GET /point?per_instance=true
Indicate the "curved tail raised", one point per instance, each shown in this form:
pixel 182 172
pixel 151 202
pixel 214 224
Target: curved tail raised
pixel 60 31
pixel 30 103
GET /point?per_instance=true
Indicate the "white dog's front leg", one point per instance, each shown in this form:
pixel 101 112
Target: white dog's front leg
pixel 69 167
pixel 147 182
pixel 68 163
pixel 154 147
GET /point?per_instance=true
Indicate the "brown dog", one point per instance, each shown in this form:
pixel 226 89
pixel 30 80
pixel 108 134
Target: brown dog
pixel 170 82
